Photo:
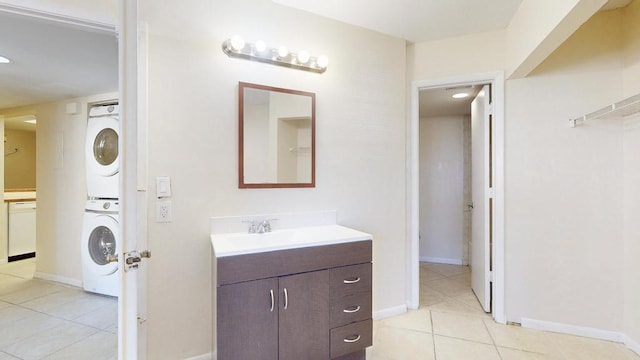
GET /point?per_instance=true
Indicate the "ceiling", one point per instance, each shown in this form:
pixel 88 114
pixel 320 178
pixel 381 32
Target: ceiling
pixel 415 20
pixel 53 61
pixel 438 102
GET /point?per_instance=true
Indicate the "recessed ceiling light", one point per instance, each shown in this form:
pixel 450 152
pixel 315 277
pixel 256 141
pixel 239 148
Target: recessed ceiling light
pixel 461 95
pixel 4 60
pixel 32 121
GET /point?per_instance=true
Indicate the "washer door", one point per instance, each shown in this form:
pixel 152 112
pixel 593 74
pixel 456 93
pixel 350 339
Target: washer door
pixel 102 146
pixel 102 240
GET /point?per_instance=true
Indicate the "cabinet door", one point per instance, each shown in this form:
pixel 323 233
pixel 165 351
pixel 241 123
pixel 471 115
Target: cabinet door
pixel 248 320
pixel 304 316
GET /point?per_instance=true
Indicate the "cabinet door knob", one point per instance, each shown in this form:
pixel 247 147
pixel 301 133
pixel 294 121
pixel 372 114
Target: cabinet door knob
pixel 352 339
pixel 351 281
pixel 272 300
pixel 352 309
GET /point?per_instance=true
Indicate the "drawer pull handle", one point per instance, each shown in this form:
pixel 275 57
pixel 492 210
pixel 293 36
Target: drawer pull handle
pixel 272 300
pixel 352 310
pixel 351 281
pixel 352 339
pixel 286 299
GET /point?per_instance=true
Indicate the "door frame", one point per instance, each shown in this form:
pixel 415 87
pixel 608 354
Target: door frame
pixel 496 79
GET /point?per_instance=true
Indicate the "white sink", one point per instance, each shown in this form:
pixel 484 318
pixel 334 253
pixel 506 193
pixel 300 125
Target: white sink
pixel 242 243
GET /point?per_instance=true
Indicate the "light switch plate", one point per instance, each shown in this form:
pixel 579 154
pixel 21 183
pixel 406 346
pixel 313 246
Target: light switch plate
pixel 163 187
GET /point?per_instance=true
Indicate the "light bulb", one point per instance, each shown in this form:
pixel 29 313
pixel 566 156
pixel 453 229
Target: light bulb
pixel 303 57
pixel 4 60
pixel 322 61
pixel 461 95
pixel 260 46
pixel 283 51
pixel 237 43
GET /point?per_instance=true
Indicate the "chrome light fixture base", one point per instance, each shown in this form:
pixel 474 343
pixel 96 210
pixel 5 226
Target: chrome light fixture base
pixel 237 48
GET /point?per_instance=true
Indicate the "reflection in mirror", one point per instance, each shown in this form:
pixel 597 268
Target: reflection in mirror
pixel 277 137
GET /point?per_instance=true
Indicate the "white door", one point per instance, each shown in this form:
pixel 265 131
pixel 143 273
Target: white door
pixel 132 302
pixel 480 183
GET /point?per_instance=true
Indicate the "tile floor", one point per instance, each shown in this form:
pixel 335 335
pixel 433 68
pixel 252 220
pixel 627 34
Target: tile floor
pixel 450 324
pixel 46 320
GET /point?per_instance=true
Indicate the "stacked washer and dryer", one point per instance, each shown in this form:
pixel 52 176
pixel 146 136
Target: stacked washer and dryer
pixel 100 231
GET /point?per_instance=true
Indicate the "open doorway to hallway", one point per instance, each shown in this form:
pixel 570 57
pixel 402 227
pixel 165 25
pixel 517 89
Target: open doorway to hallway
pixel 438 231
pixel 446 199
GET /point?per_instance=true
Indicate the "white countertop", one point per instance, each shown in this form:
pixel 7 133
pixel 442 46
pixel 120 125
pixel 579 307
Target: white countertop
pixel 230 244
pixel 20 196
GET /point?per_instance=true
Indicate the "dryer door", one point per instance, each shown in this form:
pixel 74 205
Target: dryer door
pixel 101 241
pixel 102 146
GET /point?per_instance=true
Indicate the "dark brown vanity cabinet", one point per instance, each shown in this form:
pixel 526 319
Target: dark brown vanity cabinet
pixel 312 303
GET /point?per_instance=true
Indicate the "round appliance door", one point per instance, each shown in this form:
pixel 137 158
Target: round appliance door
pixel 101 241
pixel 102 146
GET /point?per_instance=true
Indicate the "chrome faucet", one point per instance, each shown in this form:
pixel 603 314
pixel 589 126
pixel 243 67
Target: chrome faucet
pixel 264 226
pixel 259 227
pixel 252 226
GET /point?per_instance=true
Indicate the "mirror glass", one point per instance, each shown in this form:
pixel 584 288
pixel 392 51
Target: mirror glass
pixel 277 137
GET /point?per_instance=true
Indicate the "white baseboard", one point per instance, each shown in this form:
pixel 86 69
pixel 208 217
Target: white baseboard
pixel 582 331
pixel 58 278
pixel 441 260
pixel 208 356
pixel 631 344
pixel 389 312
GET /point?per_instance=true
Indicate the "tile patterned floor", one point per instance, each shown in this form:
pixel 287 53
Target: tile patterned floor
pixel 450 324
pixel 46 320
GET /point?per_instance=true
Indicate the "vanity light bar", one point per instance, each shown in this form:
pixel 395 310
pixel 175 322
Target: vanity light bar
pixel 236 47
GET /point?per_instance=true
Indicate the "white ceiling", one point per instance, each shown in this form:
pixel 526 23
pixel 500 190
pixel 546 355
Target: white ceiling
pixel 53 61
pixel 438 102
pixel 415 20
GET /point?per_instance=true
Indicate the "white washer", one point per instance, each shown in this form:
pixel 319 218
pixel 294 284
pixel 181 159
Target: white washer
pixel 101 152
pixel 100 239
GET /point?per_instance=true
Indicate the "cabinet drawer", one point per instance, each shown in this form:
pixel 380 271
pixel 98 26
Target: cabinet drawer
pixel 351 338
pixel 349 309
pixel 348 280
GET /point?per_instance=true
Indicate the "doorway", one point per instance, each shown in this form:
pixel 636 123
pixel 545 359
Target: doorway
pixel 495 279
pixel 19 187
pixel 57 91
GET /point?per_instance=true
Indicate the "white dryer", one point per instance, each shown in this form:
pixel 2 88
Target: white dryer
pixel 101 152
pixel 100 239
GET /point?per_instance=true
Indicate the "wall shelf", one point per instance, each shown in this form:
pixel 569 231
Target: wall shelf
pixel 626 107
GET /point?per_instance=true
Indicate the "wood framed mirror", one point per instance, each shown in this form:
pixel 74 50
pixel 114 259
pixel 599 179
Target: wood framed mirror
pixel 276 137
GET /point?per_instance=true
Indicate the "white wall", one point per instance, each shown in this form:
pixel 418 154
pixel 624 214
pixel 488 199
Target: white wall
pixel 360 110
pixel 450 57
pixel 632 228
pixel 441 189
pixel 631 86
pixel 564 185
pixel 256 143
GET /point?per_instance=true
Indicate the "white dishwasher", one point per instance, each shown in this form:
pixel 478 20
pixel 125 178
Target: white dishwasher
pixel 22 230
